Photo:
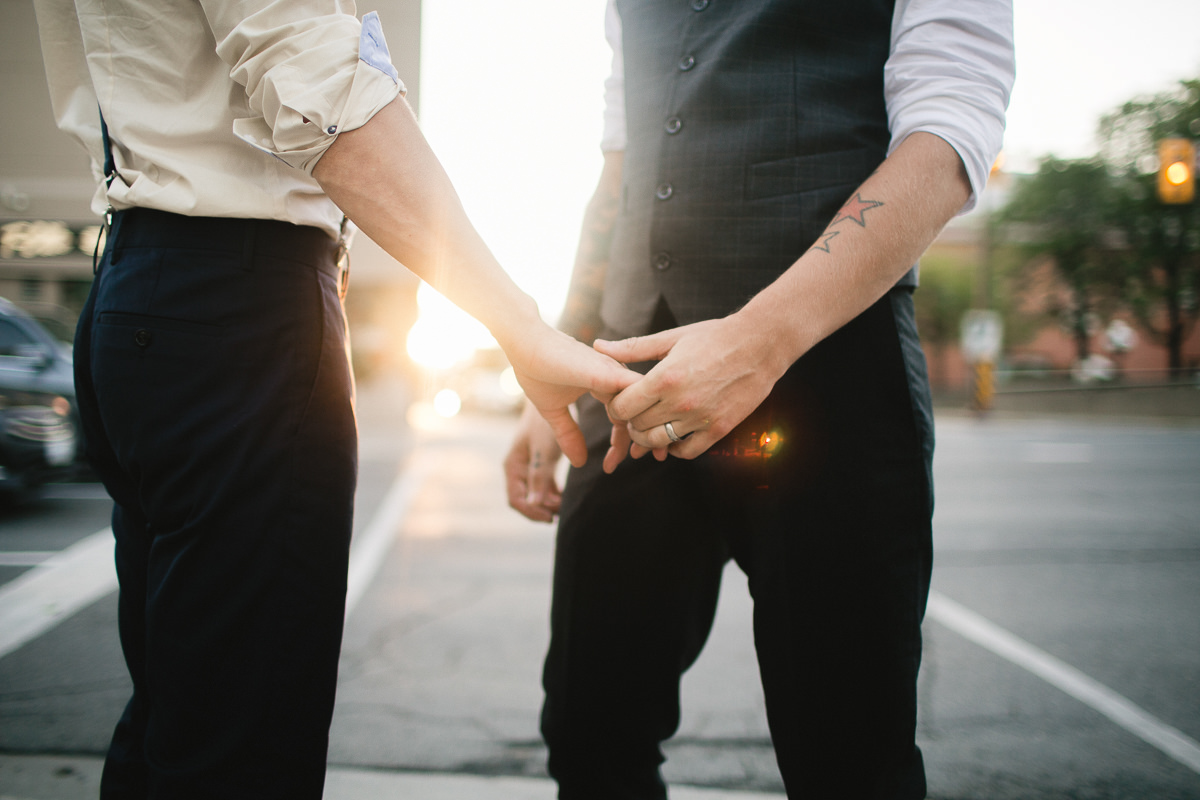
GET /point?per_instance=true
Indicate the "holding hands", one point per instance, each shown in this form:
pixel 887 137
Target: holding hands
pixel 711 375
pixel 555 370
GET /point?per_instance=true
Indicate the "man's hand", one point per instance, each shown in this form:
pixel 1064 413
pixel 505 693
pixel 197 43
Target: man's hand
pixel 554 370
pixel 530 466
pixel 714 373
pixel 710 376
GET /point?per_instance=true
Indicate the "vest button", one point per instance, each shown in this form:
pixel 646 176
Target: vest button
pixel 662 261
pixel 699 5
pixel 664 191
pixel 686 63
pixel 674 124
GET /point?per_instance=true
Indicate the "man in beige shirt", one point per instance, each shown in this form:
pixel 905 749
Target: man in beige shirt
pixel 211 359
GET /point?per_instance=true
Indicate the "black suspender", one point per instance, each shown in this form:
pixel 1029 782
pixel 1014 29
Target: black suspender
pixel 110 174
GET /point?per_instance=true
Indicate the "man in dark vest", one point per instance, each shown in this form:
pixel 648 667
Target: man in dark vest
pixel 773 171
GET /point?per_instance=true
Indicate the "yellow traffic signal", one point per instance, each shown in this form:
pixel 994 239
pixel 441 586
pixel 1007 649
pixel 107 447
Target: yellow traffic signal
pixel 1176 171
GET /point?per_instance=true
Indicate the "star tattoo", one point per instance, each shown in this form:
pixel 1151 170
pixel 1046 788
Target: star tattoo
pixel 854 209
pixel 823 244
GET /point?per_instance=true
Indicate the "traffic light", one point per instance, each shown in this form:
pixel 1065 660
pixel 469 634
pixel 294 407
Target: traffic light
pixel 1176 170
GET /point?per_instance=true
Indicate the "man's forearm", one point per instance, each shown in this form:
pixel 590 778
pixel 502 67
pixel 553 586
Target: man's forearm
pixel 581 313
pixel 876 237
pixel 713 374
pixel 385 178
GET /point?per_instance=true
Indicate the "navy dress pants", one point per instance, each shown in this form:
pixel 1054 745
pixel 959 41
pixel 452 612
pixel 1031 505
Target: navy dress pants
pixel 217 401
pixel 833 530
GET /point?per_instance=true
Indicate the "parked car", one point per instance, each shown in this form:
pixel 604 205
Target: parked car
pixel 39 422
pixel 37 439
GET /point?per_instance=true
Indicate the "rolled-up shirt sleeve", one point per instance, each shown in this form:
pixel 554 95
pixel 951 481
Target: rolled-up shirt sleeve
pixel 310 71
pixel 614 137
pixel 950 73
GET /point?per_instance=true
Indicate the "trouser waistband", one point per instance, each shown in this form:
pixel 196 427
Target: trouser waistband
pixel 145 227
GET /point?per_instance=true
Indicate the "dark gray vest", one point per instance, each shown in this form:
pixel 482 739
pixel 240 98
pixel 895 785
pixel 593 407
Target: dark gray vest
pixel 750 122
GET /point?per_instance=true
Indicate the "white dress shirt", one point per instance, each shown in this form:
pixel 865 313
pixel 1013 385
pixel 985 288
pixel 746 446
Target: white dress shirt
pixel 219 107
pixel 950 72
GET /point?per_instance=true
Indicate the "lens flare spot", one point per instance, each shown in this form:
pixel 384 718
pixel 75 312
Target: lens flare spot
pixel 769 443
pixel 447 403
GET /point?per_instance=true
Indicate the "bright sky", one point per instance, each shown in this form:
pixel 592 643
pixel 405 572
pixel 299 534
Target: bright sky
pixel 511 99
pixel 1080 59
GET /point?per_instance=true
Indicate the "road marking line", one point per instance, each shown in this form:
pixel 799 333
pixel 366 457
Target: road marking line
pixel 372 543
pixel 67 581
pixel 26 558
pixel 1061 675
pixel 71 579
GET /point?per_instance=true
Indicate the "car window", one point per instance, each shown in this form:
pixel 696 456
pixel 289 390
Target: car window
pixel 11 337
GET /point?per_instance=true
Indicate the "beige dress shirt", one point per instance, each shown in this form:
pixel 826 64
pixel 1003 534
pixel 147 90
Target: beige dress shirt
pixel 215 108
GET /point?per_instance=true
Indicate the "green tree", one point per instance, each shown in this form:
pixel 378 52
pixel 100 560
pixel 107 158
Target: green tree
pixel 1065 210
pixel 1161 257
pixel 944 296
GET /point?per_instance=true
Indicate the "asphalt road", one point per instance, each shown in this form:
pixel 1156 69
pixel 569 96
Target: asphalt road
pixel 1062 643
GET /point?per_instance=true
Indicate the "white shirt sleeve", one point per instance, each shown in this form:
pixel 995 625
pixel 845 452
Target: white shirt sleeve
pixel 310 71
pixel 950 73
pixel 614 137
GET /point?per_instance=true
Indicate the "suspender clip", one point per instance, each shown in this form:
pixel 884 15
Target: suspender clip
pixel 343 258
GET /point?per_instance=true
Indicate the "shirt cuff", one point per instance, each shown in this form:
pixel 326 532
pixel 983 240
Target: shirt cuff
pixel 952 76
pixel 977 158
pixel 302 115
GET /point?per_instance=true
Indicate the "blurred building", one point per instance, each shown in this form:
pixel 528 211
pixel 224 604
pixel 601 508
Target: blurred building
pixel 48 231
pixel 974 264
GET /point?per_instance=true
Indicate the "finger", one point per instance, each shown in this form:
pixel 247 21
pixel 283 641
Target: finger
pixel 693 446
pixel 542 487
pixel 605 376
pixel 568 435
pixel 516 468
pixel 637 451
pixel 515 488
pixel 535 512
pixel 636 399
pixel 618 447
pixel 652 438
pixel 518 500
pixel 639 348
pixel 698 442
pixel 657 438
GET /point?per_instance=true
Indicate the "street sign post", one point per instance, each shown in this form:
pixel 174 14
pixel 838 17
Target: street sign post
pixel 982 335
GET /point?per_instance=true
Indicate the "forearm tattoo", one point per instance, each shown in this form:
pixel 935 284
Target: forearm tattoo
pixel 855 210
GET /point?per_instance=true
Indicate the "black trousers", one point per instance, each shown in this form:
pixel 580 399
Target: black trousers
pixel 216 395
pixel 829 517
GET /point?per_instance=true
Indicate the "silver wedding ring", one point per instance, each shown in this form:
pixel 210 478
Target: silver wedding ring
pixel 674 437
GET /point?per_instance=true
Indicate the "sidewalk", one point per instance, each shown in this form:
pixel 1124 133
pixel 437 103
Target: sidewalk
pixel 78 778
pixel 442 657
pixel 441 661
